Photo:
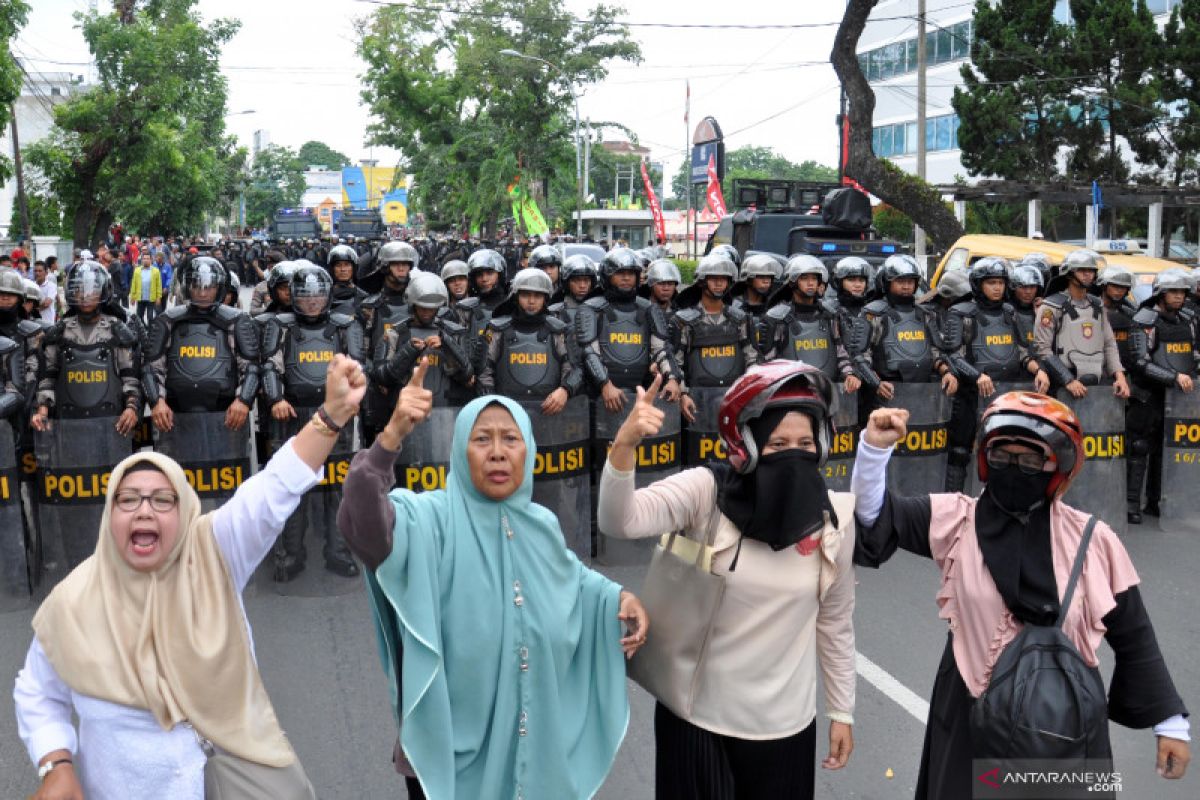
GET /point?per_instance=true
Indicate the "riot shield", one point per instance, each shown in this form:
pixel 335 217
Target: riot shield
pixel 1100 488
pixel 15 588
pixel 844 447
pixel 424 458
pixel 561 474
pixel 215 459
pixel 1181 462
pixel 315 518
pixel 702 442
pixel 918 465
pixel 75 458
pixel 658 457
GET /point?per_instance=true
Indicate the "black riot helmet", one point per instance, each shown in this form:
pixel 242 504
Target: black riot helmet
pixel 202 283
pixel 851 267
pixel 895 268
pixel 311 287
pixel 280 276
pixel 729 251
pixel 985 269
pixel 545 255
pixel 88 282
pixel 619 259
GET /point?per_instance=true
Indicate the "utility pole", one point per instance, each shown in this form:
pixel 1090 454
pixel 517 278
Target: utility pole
pixel 922 61
pixel 587 159
pixel 22 201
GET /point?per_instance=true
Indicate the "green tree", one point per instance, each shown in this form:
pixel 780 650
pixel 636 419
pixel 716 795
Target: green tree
pixel 752 161
pixel 469 120
pixel 146 144
pixel 13 16
pixel 1013 118
pixel 276 181
pixel 314 152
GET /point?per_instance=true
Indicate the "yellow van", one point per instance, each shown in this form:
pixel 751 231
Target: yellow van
pixel 972 247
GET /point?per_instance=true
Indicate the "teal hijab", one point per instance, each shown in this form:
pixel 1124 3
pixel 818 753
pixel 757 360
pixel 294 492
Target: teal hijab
pixel 511 680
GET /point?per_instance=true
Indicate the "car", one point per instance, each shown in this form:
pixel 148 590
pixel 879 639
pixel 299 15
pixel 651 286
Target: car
pixel 593 251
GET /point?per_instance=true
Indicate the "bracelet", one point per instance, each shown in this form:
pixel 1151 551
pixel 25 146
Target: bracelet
pixel 321 427
pixel 328 420
pixel 48 767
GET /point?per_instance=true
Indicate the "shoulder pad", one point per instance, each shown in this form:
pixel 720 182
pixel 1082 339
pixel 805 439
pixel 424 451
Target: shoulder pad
pixel 500 323
pixel 598 303
pixel 966 308
pixel 1187 313
pixel 468 302
pixel 1056 300
pixel 246 338
pixel 226 314
pixel 555 324
pixel 124 334
pixel 877 307
pixel 735 313
pixel 29 327
pixel 780 312
pixel 642 302
pixel 451 326
pixel 286 319
pixel 556 308
pixel 8 345
pixel 1146 316
pixel 54 335
pixel 374 301
pixel 688 315
pixel 175 313
pixel 341 320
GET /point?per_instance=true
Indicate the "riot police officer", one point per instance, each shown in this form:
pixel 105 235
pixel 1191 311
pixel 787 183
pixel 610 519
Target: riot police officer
pixel 297 349
pixel 850 281
pixel 901 344
pixel 454 275
pixel 548 259
pixel 662 284
pixel 621 335
pixel 1115 283
pixel 263 296
pixel 1025 284
pixel 486 270
pixel 347 297
pixel 201 356
pixel 1163 341
pixel 715 339
pixel 1073 340
pixel 984 346
pixel 279 291
pixel 802 329
pixel 92 344
pixel 531 353
pixel 377 314
pixel 233 289
pixel 431 330
pixel 578 281
pixel 756 285
pixel 16 325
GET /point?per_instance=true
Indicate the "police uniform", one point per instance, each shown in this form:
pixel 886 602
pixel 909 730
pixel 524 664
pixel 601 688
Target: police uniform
pixel 901 344
pixel 808 333
pixel 716 349
pixel 620 339
pixel 528 358
pixel 377 314
pixel 1073 340
pixel 449 372
pixel 201 360
pixel 88 369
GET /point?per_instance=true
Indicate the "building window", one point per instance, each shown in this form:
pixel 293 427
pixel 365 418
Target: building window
pixel 900 139
pixel 942 45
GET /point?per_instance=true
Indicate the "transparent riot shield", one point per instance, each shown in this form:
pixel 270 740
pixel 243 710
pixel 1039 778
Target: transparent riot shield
pixel 1181 462
pixel 1100 488
pixel 215 459
pixel 843 448
pixel 658 457
pixel 561 474
pixel 918 465
pixel 311 530
pixel 424 458
pixel 75 458
pixel 15 588
pixel 702 442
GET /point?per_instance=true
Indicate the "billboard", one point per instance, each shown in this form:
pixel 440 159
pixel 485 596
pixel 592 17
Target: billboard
pixel 371 187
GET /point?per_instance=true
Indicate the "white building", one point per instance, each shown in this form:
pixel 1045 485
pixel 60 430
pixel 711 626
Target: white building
pixel 34 111
pixel 262 140
pixel 887 51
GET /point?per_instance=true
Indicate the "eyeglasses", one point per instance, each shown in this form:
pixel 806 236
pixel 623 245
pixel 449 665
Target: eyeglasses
pixel 131 500
pixel 1028 463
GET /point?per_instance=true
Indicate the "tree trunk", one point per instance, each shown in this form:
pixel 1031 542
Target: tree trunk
pixel 82 224
pixel 916 198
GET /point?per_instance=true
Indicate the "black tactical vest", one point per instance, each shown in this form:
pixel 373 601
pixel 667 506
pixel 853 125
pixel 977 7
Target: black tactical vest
pixel 625 344
pixel 1174 345
pixel 995 350
pixel 1120 319
pixel 435 376
pixel 201 368
pixel 905 351
pixel 88 381
pixel 385 315
pixel 528 368
pixel 810 339
pixel 714 358
pixel 307 352
pixel 1025 325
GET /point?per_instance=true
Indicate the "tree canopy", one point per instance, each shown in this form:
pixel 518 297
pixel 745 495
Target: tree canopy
pixel 276 181
pixel 752 161
pixel 469 120
pixel 313 152
pixel 13 15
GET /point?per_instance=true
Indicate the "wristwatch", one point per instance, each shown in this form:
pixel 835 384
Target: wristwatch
pixel 46 768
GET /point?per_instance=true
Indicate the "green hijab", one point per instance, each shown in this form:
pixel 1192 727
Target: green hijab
pixel 511 674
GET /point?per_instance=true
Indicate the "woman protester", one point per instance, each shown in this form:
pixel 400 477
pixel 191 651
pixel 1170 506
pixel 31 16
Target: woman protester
pixel 784 545
pixel 147 642
pixel 502 651
pixel 1008 560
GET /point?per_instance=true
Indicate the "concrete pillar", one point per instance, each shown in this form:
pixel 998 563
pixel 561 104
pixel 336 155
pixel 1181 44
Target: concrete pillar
pixel 960 212
pixel 1035 217
pixel 1089 224
pixel 1154 230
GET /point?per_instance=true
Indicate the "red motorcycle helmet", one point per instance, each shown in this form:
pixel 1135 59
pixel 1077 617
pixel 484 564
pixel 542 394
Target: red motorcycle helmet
pixel 1029 415
pixel 778 383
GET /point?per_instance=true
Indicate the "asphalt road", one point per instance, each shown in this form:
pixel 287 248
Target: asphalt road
pixel 318 659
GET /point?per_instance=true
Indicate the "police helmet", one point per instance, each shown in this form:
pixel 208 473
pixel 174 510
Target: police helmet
pixel 426 290
pixel 644 257
pixel 1082 259
pixel 955 283
pixel 762 265
pixel 662 270
pixel 281 275
pixel 729 251
pixel 545 255
pixel 1170 279
pixel 454 268
pixel 202 272
pixel 804 264
pixel 87 281
pixel 232 283
pixel 311 286
pixel 985 269
pixel 899 266
pixel 393 252
pixel 578 266
pixel 11 282
pixel 1025 275
pixel 32 290
pixel 619 259
pixel 1115 276
pixel 851 267
pixel 717 265
pixel 342 253
pixel 532 279
pixel 486 259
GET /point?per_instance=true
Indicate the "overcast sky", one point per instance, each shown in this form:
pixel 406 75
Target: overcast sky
pixel 294 64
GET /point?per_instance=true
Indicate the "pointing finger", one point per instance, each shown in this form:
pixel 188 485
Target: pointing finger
pixel 418 376
pixel 651 394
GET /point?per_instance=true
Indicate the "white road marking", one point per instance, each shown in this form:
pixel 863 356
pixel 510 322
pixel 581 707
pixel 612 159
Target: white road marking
pixel 882 680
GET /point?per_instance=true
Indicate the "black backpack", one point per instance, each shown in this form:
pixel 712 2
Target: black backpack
pixel 1044 700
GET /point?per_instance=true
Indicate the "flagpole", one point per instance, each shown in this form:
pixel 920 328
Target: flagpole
pixel 688 228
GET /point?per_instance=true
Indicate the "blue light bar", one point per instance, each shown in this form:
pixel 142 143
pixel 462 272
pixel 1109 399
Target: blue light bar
pixel 828 247
pixel 888 248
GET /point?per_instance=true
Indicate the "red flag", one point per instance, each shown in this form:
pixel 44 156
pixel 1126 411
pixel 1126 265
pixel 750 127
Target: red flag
pixel 716 201
pixel 660 225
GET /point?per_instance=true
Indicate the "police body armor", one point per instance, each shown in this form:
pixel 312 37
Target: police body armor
pixel 809 338
pixel 1079 340
pixel 1120 319
pixel 1174 345
pixel 995 349
pixel 345 298
pixel 624 341
pixel 385 315
pixel 904 351
pixel 435 374
pixel 307 351
pixel 88 383
pixel 529 368
pixel 715 357
pixel 201 368
pixel 1025 322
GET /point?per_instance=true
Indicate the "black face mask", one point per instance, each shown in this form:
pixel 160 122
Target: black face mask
pixel 9 315
pixel 1016 492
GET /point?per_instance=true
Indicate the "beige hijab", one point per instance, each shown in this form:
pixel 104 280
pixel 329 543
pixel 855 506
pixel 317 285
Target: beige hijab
pixel 173 641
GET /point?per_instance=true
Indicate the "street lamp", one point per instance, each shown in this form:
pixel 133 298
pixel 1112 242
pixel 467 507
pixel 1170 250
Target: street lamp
pixel 239 113
pixel 578 162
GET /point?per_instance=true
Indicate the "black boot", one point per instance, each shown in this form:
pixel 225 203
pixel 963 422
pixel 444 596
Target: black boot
pixel 1154 485
pixel 1135 474
pixel 289 553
